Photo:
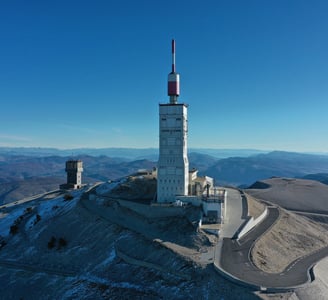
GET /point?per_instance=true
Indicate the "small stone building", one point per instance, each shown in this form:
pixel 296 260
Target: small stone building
pixel 74 169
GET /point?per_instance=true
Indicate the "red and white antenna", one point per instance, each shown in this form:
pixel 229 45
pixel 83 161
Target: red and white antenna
pixel 173 84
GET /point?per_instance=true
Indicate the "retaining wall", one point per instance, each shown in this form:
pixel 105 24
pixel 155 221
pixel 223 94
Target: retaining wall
pixel 251 223
pixel 148 211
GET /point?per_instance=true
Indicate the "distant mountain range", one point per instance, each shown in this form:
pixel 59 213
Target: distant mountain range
pixel 19 175
pixel 28 171
pixel 126 153
pixel 243 171
pixel 321 177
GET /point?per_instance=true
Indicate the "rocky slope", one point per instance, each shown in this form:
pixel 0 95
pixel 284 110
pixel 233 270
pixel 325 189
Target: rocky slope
pixel 91 244
pixel 60 249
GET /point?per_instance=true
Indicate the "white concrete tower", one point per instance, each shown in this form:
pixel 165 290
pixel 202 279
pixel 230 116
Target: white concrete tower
pixel 173 165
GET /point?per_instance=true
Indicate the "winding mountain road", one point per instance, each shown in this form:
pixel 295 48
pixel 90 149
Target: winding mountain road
pixel 233 259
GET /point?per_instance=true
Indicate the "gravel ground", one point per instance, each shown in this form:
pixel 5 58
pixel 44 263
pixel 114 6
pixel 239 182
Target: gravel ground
pixel 255 207
pixel 290 238
pixel 293 194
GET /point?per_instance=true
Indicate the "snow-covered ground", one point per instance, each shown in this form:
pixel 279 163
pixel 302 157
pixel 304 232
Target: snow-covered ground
pixel 44 207
pixel 8 219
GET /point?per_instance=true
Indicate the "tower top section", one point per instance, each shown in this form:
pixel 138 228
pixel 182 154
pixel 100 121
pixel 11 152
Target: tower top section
pixel 173 83
pixel 173 56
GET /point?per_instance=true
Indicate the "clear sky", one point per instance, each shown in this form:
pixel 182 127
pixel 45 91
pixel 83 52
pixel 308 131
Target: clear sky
pixel 92 73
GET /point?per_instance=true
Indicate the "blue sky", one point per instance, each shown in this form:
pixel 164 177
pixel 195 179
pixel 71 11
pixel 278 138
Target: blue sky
pixel 92 73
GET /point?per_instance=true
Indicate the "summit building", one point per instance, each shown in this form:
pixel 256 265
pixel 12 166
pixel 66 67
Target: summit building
pixel 175 182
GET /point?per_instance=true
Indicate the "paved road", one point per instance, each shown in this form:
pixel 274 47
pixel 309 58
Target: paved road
pixel 235 260
pixel 235 213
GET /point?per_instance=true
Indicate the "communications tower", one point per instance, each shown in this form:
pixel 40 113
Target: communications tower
pixel 173 165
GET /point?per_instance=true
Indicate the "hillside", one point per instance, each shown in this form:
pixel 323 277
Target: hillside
pixel 87 249
pixel 322 177
pixel 292 237
pixel 293 194
pixel 91 244
pixel 19 189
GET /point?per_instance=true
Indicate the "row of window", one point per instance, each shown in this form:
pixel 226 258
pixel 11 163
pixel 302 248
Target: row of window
pixel 177 119
pixel 171 130
pixel 167 188
pixel 168 180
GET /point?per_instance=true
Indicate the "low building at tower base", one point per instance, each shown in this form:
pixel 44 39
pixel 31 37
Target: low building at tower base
pixel 203 193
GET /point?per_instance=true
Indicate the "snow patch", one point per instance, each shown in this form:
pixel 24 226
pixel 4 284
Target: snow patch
pixel 30 250
pixel 30 222
pixel 58 206
pixel 7 220
pixel 79 249
pixel 95 279
pixel 110 257
pixel 75 291
pixel 46 208
pixel 54 207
